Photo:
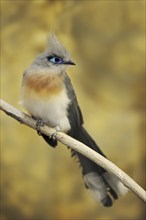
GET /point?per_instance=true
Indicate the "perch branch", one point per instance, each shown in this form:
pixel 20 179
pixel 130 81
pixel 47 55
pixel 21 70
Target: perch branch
pixel 77 146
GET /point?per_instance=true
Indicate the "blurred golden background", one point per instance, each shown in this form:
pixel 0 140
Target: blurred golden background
pixel 106 40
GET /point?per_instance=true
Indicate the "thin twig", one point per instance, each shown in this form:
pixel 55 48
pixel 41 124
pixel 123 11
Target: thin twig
pixel 77 146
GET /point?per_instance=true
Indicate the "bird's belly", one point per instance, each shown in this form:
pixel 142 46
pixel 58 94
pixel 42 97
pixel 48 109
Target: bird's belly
pixel 52 110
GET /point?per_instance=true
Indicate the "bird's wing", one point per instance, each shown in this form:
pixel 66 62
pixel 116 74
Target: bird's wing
pixel 74 113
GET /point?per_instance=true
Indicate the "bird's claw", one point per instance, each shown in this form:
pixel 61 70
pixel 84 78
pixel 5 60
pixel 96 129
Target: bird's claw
pixel 39 124
pixel 53 135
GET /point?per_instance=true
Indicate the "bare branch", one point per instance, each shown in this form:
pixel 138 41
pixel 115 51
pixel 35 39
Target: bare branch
pixel 77 146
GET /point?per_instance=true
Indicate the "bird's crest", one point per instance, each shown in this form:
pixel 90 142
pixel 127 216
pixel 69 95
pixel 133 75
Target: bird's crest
pixel 55 47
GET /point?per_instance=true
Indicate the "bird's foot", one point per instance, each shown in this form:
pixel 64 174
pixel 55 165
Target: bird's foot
pixel 39 124
pixel 53 135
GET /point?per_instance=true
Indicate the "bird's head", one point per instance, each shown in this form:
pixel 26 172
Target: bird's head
pixel 56 58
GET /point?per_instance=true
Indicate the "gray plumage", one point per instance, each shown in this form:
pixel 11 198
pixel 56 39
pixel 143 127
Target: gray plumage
pixel 104 187
pixel 57 48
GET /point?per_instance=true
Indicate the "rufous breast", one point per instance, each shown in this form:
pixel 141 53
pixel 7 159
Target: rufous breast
pixel 42 85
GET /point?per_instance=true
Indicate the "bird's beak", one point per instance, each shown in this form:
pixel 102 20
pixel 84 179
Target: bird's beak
pixel 69 62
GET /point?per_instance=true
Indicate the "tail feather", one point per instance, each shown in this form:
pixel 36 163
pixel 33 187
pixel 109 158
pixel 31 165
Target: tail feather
pixel 98 189
pixel 113 181
pixel 104 187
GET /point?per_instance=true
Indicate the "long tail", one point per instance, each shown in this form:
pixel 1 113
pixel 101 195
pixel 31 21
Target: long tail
pixel 104 187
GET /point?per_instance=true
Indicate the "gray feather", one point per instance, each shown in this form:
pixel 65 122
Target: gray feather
pixel 56 47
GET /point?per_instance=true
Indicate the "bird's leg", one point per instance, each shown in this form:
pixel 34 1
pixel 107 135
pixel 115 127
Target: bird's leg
pixel 39 124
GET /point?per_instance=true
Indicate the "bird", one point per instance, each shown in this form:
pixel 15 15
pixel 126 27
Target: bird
pixel 48 95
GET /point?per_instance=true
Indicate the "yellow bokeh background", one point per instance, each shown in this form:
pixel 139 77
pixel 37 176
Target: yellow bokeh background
pixel 106 40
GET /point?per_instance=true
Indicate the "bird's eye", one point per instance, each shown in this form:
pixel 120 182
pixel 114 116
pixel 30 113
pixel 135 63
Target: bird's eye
pixel 55 59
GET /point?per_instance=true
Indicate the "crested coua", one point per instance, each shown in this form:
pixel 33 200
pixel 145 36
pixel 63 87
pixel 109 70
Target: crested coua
pixel 48 95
